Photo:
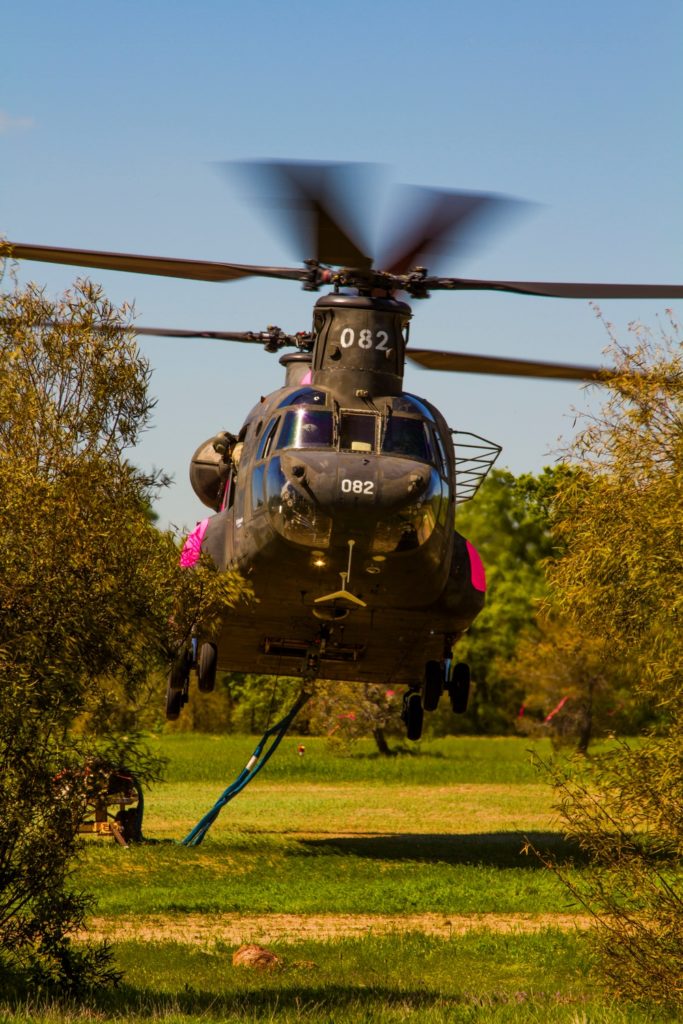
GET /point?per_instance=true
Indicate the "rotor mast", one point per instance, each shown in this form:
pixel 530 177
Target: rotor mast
pixel 359 345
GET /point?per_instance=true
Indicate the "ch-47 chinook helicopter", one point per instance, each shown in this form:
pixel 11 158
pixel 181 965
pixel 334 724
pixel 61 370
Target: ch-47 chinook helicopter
pixel 337 496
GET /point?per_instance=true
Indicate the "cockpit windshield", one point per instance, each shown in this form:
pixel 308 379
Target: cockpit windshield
pixel 411 403
pixel 357 432
pixel 410 436
pixel 307 428
pixel 405 435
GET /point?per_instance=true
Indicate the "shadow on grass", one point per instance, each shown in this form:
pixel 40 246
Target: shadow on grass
pixel 398 751
pixel 306 1001
pixel 496 849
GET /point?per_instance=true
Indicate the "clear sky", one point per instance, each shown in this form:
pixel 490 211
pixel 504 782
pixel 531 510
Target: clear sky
pixel 113 118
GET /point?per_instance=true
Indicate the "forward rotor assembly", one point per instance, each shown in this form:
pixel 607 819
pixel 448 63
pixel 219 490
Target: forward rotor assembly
pixel 322 207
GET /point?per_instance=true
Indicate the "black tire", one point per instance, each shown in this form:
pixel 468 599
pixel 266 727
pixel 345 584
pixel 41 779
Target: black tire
pixel 174 701
pixel 206 667
pixel 433 685
pixel 180 671
pixel 459 687
pixel 413 714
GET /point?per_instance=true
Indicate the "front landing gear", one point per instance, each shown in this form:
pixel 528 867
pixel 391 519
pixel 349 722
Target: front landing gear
pixel 433 685
pixel 412 713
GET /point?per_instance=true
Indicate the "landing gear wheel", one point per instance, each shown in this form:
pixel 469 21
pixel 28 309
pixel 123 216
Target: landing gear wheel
pixel 174 702
pixel 459 687
pixel 206 667
pixel 433 685
pixel 413 714
pixel 180 671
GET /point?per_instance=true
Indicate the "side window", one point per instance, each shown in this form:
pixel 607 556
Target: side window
pixel 266 442
pixel 229 491
pixel 257 500
pixel 443 459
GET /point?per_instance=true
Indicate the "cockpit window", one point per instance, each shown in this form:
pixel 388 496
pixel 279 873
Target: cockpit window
pixel 407 436
pixel 410 403
pixel 443 459
pixel 266 442
pixel 307 428
pixel 357 432
pixel 304 396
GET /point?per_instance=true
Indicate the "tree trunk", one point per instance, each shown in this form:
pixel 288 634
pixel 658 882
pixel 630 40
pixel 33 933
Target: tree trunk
pixel 586 726
pixel 585 733
pixel 381 741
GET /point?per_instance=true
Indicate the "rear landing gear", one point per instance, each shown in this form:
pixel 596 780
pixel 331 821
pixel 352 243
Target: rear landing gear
pixel 459 687
pixel 206 667
pixel 179 674
pixel 176 699
pixel 204 659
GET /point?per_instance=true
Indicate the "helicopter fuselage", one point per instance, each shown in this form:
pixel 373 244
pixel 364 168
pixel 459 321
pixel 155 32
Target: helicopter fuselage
pixel 337 501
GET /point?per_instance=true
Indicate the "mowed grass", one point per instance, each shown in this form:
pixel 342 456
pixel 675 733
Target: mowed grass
pixel 337 839
pixel 441 831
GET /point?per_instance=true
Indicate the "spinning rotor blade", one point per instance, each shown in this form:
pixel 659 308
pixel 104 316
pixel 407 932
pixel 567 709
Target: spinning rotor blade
pixel 558 289
pixel 163 332
pixel 273 338
pixel 440 222
pixel 316 201
pixel 198 270
pixel 462 362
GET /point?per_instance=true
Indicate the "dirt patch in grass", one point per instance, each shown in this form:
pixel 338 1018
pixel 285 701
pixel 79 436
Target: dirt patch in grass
pixel 196 929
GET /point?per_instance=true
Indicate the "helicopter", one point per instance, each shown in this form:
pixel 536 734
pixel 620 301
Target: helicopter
pixel 336 497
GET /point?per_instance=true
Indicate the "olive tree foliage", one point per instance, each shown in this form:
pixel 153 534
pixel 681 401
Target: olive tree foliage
pixel 619 519
pixel 509 523
pixel 242 703
pixel 91 600
pixel 621 579
pixel 575 690
pixel 345 712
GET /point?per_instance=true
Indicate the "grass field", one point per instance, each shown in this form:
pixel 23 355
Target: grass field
pixel 391 889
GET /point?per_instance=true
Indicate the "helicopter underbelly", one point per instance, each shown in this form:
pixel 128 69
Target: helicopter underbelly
pixel 282 571
pixel 397 624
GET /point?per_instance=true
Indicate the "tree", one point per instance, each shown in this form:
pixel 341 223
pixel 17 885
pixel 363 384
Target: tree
pixel 91 600
pixel 621 577
pixel 344 712
pixel 574 689
pixel 508 521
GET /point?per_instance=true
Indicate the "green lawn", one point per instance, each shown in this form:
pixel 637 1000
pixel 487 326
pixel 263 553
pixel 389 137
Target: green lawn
pixel 381 838
pixel 197 758
pixel 330 838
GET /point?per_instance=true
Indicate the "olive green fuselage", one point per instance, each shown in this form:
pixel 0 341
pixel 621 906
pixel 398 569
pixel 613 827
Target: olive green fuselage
pixel 337 502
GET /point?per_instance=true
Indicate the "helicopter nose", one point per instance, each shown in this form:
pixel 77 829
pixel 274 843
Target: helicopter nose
pixel 371 482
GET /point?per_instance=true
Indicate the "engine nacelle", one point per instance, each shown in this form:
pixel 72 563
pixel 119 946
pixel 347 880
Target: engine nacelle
pixel 210 468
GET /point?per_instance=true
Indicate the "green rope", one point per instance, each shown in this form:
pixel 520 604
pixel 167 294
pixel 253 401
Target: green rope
pixel 253 766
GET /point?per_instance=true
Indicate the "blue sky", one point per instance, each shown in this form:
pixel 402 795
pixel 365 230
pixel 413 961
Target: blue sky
pixel 113 118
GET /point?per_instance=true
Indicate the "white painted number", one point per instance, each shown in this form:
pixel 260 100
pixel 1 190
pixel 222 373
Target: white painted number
pixel 350 486
pixel 366 339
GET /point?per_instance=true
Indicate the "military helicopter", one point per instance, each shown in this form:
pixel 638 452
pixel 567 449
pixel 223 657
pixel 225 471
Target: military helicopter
pixel 336 497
